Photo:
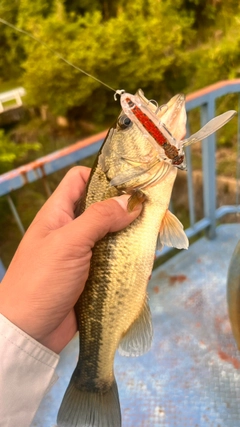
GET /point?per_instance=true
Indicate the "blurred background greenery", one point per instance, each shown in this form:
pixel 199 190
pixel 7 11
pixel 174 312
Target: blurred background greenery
pixel 162 46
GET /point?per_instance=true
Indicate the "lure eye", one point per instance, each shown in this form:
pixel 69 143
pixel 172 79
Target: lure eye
pixel 124 122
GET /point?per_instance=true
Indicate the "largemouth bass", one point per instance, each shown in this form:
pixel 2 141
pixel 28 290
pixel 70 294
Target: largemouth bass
pixel 140 156
pixel 113 312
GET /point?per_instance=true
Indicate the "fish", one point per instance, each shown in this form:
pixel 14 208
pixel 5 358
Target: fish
pixel 113 311
pixel 233 293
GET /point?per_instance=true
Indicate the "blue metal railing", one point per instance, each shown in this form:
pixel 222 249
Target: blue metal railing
pixel 204 99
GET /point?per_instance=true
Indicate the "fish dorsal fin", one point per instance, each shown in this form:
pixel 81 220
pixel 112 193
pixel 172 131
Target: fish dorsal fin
pixel 171 233
pixel 138 338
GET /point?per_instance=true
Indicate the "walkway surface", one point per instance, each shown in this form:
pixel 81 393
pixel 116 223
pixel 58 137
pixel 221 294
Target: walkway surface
pixel 191 376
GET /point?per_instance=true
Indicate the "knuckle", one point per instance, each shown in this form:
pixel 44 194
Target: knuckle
pixel 76 173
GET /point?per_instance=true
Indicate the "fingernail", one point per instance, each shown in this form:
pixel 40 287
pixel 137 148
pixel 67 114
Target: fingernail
pixel 122 200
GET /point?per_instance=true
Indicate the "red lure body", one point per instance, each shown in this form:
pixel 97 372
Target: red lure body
pixel 170 150
pixel 147 123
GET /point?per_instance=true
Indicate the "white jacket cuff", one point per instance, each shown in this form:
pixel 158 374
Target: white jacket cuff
pixel 27 371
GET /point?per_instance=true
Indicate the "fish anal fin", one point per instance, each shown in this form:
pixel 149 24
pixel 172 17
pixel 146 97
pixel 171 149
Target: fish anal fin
pixel 171 233
pixel 138 338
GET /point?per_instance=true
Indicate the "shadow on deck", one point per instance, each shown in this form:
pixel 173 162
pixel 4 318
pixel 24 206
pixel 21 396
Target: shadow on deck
pixel 191 376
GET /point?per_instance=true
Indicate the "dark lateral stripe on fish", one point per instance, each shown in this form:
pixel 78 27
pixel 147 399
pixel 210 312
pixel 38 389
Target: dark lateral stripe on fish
pixel 91 326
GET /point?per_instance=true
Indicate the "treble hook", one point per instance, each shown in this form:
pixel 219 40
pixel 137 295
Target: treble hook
pixel 154 102
pixel 158 107
pixel 161 108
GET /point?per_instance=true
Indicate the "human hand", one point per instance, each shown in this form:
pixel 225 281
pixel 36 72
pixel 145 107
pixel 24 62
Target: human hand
pixel 51 265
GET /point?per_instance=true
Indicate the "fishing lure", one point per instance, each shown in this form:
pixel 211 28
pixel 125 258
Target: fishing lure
pixel 170 150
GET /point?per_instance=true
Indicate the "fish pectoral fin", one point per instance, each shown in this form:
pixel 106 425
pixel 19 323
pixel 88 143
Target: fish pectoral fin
pixel 137 198
pixel 138 338
pixel 171 233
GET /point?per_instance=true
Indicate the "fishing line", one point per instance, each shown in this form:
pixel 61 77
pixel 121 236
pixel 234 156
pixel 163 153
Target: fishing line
pixel 56 53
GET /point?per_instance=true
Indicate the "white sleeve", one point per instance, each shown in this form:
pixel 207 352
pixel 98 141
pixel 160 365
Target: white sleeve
pixel 27 371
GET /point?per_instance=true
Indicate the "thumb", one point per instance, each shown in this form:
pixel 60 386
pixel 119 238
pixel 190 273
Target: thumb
pixel 99 219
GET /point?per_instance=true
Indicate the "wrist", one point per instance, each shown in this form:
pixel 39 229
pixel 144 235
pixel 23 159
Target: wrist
pixel 10 307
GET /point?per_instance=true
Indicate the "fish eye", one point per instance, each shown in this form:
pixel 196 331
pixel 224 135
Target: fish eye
pixel 124 122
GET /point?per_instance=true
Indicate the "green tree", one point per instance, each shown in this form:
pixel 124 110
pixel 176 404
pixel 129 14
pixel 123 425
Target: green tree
pixel 108 8
pixel 10 152
pixel 11 52
pixel 134 49
pixel 162 46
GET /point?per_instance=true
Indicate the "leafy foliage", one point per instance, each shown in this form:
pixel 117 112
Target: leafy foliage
pixel 11 53
pixel 162 46
pixel 133 49
pixel 150 44
pixel 11 151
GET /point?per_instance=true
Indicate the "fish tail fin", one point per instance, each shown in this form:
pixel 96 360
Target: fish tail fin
pixel 81 408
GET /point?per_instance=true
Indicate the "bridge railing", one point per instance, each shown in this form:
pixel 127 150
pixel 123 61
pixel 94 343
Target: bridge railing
pixel 205 100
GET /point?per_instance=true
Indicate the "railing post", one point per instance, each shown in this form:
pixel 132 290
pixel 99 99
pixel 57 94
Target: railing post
pixel 209 170
pixel 190 183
